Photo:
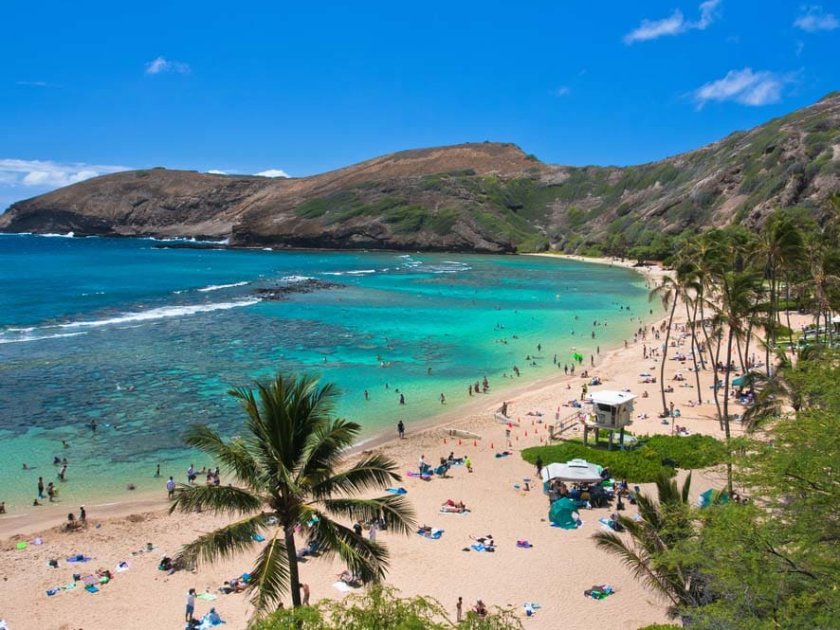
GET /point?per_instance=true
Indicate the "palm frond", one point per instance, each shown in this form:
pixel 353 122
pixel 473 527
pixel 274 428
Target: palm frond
pixel 232 455
pixel 395 509
pixel 326 447
pixel 638 564
pixel 224 542
pixel 270 576
pixel 217 499
pixel 374 471
pixel 363 557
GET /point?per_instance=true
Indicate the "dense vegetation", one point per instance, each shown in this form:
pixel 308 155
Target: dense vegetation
pixel 381 608
pixel 772 560
pixel 655 456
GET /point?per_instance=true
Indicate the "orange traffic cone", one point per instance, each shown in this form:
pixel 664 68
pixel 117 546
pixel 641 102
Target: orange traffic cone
pixel 475 443
pixel 459 442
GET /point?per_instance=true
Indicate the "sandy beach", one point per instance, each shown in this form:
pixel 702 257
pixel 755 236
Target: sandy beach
pixel 554 572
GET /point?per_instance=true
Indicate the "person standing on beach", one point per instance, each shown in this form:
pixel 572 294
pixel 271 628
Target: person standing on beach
pixel 468 463
pixel 157 471
pixel 539 465
pixel 459 610
pixel 401 429
pixel 62 472
pixel 40 487
pixel 367 395
pixel 82 516
pixel 305 598
pixel 402 399
pixel 170 487
pixel 442 399
pixel 190 605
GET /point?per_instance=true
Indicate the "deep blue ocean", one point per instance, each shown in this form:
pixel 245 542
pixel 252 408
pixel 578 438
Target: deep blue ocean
pixel 147 338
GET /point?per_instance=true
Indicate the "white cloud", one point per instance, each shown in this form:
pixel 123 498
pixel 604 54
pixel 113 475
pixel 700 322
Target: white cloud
pixel 563 90
pixel 674 24
pixel 743 86
pixel 48 174
pixel 814 19
pixel 214 171
pixel 162 64
pixel 272 172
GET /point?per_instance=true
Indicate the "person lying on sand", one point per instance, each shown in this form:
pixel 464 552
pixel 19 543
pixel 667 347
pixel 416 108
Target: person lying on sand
pixel 457 507
pixel 350 578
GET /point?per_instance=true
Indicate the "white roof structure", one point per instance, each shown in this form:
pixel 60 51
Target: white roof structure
pixel 578 470
pixel 612 398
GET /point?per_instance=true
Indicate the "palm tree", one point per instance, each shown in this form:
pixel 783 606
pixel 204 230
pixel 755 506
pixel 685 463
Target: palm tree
pixel 287 474
pixel 668 292
pixel 664 524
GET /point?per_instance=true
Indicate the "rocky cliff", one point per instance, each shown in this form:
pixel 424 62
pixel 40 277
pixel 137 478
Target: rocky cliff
pixel 473 197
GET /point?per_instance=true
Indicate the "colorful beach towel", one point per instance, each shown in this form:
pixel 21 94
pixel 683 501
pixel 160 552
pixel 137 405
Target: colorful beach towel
pixel 399 490
pixel 599 591
pixel 258 538
pixel 79 558
pixel 90 588
pixel 435 534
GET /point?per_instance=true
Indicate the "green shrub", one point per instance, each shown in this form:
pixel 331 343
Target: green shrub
pixel 642 464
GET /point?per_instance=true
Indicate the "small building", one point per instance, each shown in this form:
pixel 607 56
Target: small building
pixel 611 412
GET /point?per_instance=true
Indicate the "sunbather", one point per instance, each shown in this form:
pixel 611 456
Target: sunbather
pixel 453 506
pixel 350 578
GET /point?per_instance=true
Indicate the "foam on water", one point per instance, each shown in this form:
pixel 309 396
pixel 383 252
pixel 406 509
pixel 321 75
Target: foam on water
pixel 219 287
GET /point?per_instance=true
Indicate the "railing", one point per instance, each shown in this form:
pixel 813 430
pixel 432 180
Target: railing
pixel 555 431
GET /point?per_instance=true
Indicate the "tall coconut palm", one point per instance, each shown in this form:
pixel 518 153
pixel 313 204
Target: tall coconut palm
pixel 668 291
pixel 288 474
pixel 663 525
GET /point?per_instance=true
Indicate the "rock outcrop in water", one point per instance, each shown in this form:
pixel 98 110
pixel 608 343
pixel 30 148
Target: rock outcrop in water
pixel 485 197
pixel 281 292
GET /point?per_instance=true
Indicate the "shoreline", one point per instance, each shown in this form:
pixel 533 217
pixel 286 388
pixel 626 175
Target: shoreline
pixel 464 414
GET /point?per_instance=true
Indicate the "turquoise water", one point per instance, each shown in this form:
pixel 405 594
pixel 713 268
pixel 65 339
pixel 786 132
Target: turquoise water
pixel 147 340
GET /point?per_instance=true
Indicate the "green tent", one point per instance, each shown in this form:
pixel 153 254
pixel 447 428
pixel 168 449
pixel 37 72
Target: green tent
pixel 561 513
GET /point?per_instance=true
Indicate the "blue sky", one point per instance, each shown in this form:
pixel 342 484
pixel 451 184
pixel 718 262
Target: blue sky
pixel 89 87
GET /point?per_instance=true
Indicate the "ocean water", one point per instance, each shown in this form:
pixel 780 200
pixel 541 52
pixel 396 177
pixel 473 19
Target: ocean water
pixel 146 339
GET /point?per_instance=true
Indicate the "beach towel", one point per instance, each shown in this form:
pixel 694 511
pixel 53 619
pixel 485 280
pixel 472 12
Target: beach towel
pixel 342 587
pixel 209 597
pixel 79 558
pixel 37 541
pixel 122 566
pixel 443 510
pixel 22 545
pixel 53 591
pixel 90 588
pixel 607 523
pixel 412 473
pixel 258 538
pixel 399 490
pixel 523 544
pixel 435 534
pixel 90 580
pixel 68 587
pixel 245 577
pixel 599 591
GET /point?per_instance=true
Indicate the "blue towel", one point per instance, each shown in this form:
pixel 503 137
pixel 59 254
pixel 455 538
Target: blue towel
pixel 399 490
pixel 90 588
pixel 258 538
pixel 53 591
pixel 79 558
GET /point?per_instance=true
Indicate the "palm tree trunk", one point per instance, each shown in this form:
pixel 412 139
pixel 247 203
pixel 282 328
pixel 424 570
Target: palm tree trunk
pixel 294 576
pixel 695 348
pixel 713 361
pixel 787 311
pixel 665 355
pixel 726 429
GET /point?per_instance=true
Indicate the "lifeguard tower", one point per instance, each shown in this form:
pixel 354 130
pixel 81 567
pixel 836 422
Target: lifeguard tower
pixel 611 411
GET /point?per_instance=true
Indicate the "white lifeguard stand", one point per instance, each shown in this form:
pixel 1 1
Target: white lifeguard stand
pixel 611 411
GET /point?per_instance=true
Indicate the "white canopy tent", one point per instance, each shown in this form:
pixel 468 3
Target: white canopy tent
pixel 577 470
